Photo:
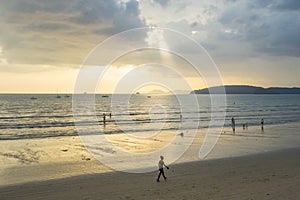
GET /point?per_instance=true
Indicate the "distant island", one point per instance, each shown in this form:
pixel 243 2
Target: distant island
pixel 246 89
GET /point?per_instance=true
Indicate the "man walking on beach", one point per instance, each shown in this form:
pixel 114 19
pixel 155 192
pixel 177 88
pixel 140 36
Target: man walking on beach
pixel 161 165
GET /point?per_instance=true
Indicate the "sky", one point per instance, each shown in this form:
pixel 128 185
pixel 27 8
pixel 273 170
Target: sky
pixel 44 43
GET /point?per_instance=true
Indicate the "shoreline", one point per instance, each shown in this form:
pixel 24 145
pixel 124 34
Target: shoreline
pixel 257 176
pixel 55 158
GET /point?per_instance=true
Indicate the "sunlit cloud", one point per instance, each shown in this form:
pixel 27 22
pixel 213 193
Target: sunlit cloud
pixel 155 37
pixel 3 60
pixel 52 36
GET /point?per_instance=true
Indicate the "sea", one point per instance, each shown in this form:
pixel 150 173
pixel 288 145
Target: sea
pixel 27 116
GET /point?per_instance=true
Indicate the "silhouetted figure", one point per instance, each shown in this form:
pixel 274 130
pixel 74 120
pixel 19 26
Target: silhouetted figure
pixel 233 124
pixel 104 118
pixel 161 165
pixel 110 115
pixel 180 117
pixel 244 126
pixel 262 124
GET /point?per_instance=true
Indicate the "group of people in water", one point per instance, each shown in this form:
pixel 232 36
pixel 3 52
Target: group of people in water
pixel 245 126
pixel 104 118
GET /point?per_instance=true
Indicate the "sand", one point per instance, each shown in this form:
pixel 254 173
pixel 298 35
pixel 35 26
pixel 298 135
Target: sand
pixel 32 160
pixel 248 165
pixel 272 175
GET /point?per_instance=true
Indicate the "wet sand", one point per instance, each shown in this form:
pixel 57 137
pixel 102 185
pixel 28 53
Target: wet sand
pixel 272 175
pixel 32 160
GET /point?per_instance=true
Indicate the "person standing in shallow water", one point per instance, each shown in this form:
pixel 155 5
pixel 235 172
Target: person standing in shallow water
pixel 161 165
pixel 233 125
pixel 104 118
pixel 262 124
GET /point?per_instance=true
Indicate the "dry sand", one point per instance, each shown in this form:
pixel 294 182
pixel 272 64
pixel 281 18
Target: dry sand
pixel 272 175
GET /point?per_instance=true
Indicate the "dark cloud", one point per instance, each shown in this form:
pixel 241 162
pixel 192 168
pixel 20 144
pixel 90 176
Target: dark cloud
pixel 128 17
pixel 92 11
pixel 288 5
pixel 282 35
pixel 61 31
pixel 277 4
pixel 31 6
pixel 44 27
pixel 194 24
pixel 261 23
pixel 118 16
pixel 25 6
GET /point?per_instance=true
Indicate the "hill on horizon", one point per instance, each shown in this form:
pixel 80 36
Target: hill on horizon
pixel 247 89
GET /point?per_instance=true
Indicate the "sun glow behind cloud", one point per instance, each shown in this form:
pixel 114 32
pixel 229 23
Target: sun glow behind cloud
pixel 53 81
pixel 42 44
pixel 112 76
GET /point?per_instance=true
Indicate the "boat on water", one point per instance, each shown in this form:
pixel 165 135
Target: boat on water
pixel 148 96
pixel 33 98
pixel 57 95
pixel 105 96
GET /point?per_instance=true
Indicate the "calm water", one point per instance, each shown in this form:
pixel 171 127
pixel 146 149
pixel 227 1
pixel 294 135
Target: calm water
pixel 47 116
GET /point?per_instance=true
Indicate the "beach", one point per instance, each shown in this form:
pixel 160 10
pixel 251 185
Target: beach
pixel 30 160
pixel 272 175
pixel 102 99
pixel 248 165
pixel 43 157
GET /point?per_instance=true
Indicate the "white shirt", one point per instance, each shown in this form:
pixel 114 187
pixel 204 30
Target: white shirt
pixel 161 164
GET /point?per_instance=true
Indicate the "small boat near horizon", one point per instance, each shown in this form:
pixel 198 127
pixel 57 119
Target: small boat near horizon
pixel 57 95
pixel 33 98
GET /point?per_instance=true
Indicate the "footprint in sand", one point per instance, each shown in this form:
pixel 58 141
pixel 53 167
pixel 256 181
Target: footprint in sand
pixel 26 156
